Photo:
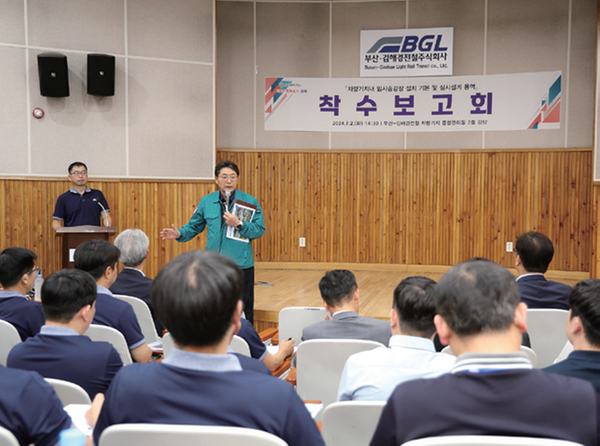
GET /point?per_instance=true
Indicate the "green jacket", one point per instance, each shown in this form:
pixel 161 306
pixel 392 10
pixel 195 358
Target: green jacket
pixel 209 214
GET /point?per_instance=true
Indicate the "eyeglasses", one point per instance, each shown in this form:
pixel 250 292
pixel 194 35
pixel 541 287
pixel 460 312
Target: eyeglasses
pixel 77 173
pixel 35 270
pixel 225 177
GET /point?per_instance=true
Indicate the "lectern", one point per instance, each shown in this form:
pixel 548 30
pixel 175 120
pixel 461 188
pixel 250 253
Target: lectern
pixel 73 236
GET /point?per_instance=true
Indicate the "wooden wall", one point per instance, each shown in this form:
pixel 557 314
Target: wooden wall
pixel 28 205
pixel 424 208
pixel 401 207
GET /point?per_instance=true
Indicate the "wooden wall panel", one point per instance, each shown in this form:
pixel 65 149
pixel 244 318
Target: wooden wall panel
pixel 423 208
pixel 28 205
pixel 417 208
pixel 594 233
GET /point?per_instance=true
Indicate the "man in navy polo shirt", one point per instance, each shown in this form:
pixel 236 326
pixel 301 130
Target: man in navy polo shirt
pixel 493 388
pixel 60 350
pixel 80 205
pixel 30 409
pixel 17 276
pixel 100 258
pixel 198 296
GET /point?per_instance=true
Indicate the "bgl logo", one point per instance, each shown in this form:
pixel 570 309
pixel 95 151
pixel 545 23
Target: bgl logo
pixel 408 44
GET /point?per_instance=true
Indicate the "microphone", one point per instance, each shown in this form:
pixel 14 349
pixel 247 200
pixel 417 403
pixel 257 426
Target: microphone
pixel 103 209
pixel 227 194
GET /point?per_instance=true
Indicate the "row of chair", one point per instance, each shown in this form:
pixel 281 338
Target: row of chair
pixel 168 434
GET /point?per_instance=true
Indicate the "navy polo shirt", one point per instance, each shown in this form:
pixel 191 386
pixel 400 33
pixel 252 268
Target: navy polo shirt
pixel 25 315
pixel 76 209
pixel 119 315
pixel 62 353
pixel 258 350
pixel 30 409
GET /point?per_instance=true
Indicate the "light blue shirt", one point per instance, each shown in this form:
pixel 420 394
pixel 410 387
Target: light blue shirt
pixel 203 362
pixel 101 290
pixel 9 294
pixel 56 330
pixel 374 374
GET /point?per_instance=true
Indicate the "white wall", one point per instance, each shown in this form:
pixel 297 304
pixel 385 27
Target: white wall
pixel 258 39
pixel 160 123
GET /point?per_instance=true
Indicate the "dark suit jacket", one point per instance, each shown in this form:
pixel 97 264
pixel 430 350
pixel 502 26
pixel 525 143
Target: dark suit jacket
pixel 349 325
pixel 537 292
pixel 132 282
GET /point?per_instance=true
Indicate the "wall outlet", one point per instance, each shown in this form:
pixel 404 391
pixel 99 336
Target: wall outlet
pixel 302 242
pixel 509 247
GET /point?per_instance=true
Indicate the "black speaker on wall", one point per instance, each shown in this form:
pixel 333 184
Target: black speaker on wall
pixel 54 75
pixel 101 75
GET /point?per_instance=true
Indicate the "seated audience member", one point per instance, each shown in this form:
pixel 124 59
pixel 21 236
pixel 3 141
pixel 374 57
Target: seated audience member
pixel 60 351
pixel 198 296
pixel 374 374
pixel 339 291
pixel 583 330
pixel 100 258
pixel 30 409
pixel 492 389
pixel 534 252
pixel 17 276
pixel 258 349
pixel 133 247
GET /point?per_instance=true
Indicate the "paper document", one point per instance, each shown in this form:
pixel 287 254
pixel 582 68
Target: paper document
pixel 77 414
pixel 245 212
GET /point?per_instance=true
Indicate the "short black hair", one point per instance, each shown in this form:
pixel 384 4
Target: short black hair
pixel 224 164
pixel 94 256
pixel 535 250
pixel 14 262
pixel 337 286
pixel 584 302
pixel 195 297
pixel 65 292
pixel 75 164
pixel 415 305
pixel 477 296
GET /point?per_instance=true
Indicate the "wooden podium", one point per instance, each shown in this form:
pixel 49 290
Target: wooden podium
pixel 73 236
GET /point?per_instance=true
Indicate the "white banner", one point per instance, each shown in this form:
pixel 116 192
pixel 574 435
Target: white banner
pixel 406 52
pixel 466 103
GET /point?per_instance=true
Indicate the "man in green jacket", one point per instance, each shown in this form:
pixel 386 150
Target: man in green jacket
pixel 214 214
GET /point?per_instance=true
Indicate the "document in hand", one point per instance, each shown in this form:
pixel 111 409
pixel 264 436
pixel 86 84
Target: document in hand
pixel 245 212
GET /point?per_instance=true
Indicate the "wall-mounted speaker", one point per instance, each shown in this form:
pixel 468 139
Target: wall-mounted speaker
pixel 101 74
pixel 54 75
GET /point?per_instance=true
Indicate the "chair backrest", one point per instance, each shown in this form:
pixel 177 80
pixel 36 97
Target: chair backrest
pixel 530 353
pixel 115 337
pixel 239 345
pixel 546 328
pixel 144 317
pixel 7 438
pixel 167 344
pixel 292 321
pixel 68 392
pixel 351 423
pixel 319 364
pixel 565 352
pixel 184 435
pixel 487 440
pixel 9 337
